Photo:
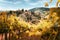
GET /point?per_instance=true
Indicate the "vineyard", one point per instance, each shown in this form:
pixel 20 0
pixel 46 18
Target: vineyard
pixel 13 27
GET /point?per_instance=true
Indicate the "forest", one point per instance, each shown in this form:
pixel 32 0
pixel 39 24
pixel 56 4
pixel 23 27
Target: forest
pixel 27 25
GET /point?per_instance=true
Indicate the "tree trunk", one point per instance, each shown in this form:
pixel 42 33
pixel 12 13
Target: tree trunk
pixel 5 36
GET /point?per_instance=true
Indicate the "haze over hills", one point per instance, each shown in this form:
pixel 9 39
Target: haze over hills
pixel 40 9
pixel 43 11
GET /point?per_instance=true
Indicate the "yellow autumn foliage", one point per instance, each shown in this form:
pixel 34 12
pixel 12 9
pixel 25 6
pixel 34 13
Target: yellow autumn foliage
pixel 46 4
pixel 58 0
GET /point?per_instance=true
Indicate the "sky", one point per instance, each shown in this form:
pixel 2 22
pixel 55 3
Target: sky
pixel 24 4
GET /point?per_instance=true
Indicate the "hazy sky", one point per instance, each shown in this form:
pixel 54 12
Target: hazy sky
pixel 26 4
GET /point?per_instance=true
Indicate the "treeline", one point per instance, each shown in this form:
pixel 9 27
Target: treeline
pixel 26 15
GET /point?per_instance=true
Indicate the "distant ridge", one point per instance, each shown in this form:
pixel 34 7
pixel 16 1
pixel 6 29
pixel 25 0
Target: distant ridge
pixel 40 8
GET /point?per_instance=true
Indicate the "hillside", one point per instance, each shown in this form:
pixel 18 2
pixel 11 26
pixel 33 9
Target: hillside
pixel 40 9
